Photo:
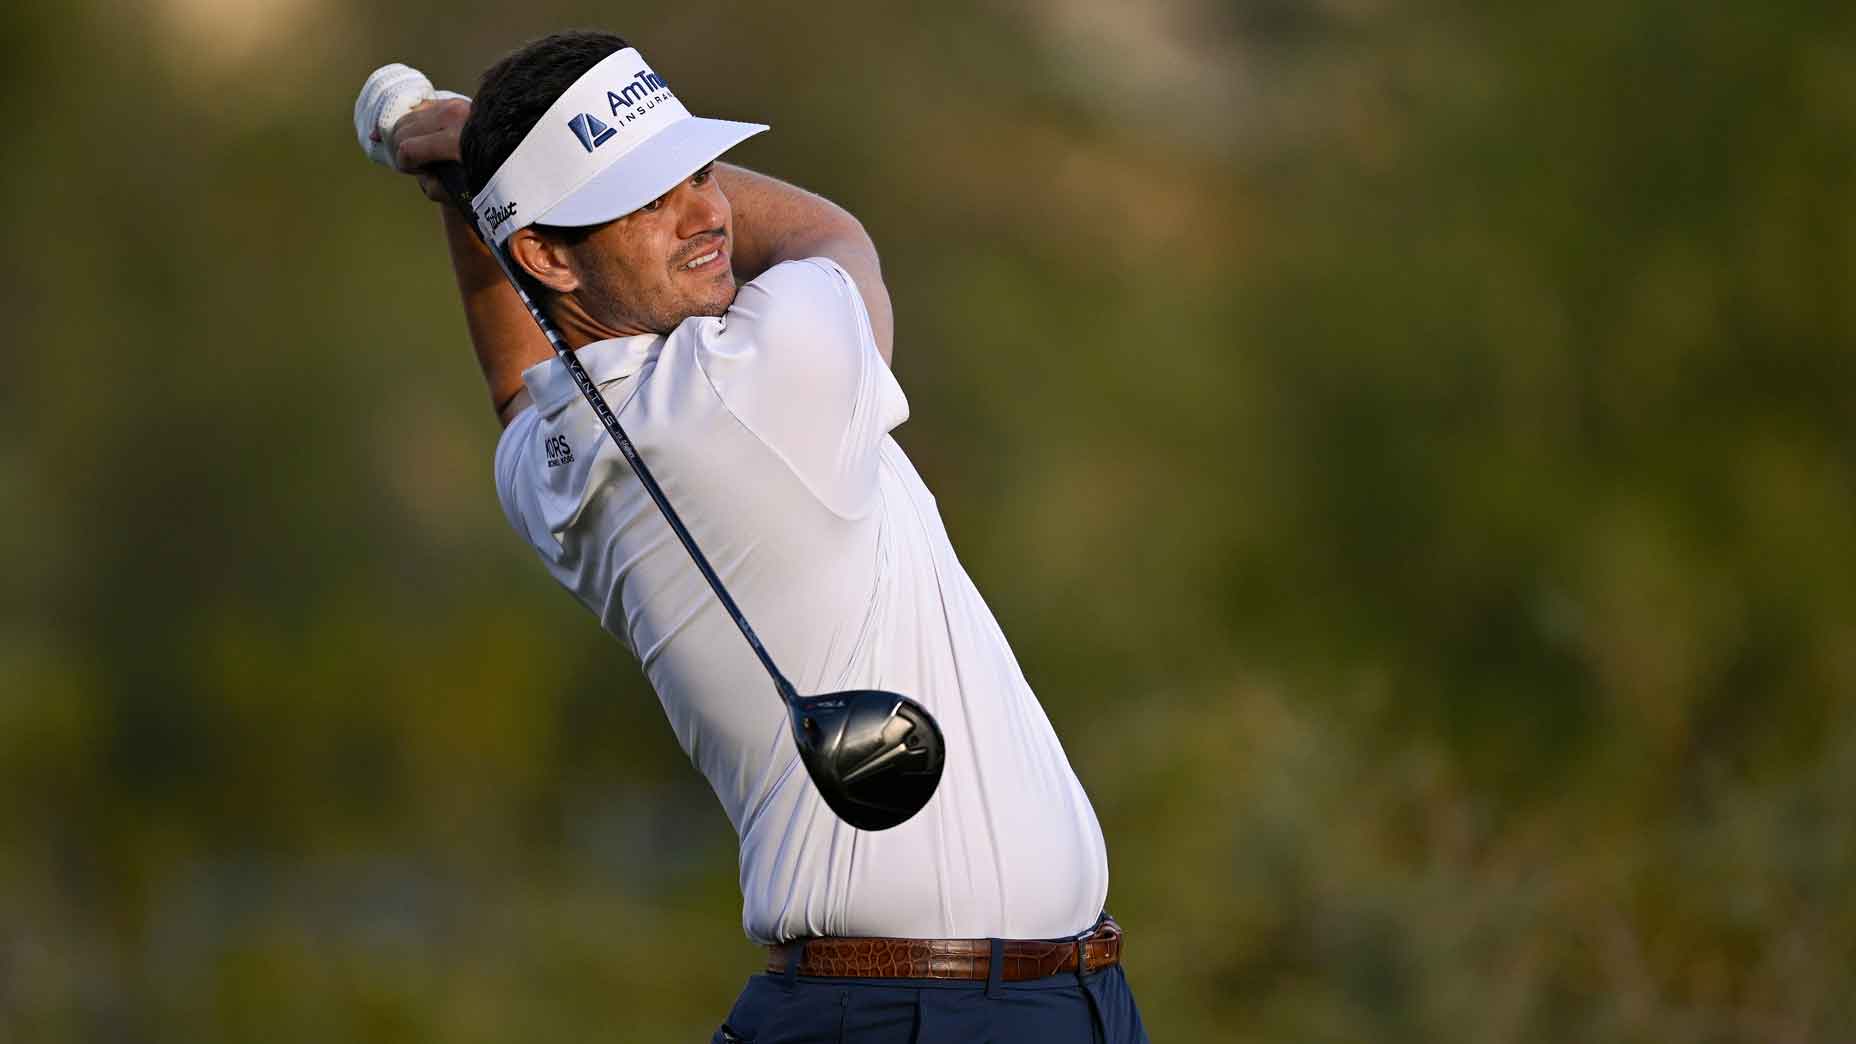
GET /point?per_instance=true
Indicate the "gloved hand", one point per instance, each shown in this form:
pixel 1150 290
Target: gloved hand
pixel 402 123
pixel 427 135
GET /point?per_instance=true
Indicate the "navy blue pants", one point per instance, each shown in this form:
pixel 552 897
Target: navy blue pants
pixel 778 1009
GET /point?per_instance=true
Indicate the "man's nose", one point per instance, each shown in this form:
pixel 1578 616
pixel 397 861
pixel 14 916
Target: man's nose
pixel 699 210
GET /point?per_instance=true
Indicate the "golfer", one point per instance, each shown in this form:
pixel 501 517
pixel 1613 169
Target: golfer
pixel 740 328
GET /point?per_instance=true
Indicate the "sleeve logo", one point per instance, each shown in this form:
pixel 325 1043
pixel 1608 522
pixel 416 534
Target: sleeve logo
pixel 559 452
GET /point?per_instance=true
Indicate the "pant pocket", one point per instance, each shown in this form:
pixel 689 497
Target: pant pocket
pixel 1120 1019
pixel 759 1000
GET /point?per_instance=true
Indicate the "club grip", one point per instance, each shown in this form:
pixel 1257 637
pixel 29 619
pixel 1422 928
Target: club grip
pixel 457 186
pixel 450 174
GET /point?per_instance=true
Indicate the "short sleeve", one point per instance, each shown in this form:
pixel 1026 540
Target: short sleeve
pixel 516 496
pixel 795 361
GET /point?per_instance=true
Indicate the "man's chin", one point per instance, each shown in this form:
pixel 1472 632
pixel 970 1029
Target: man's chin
pixel 717 303
pixel 709 307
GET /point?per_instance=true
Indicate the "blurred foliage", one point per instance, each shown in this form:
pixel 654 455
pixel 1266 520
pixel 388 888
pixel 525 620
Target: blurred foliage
pixel 1411 449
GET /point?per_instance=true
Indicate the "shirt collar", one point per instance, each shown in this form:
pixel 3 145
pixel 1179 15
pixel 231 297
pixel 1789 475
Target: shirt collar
pixel 551 387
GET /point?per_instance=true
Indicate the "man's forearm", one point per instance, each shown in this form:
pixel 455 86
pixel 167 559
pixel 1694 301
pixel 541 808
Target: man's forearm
pixel 776 222
pixel 502 333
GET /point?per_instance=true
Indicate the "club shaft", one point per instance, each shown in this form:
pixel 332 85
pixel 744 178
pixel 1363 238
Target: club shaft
pixel 452 176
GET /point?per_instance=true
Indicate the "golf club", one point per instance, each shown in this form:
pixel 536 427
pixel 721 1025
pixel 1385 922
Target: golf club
pixel 875 757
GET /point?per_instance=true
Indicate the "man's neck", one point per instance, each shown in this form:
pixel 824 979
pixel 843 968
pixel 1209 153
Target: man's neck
pixel 578 329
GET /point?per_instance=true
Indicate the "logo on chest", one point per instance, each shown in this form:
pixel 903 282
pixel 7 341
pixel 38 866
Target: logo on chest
pixel 559 452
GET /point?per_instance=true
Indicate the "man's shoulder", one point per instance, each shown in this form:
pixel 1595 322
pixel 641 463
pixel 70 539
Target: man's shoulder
pixel 515 490
pixel 794 362
pixel 514 435
pixel 806 297
pixel 804 275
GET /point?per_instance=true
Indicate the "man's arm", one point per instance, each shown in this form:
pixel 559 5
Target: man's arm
pixel 777 222
pixel 773 222
pixel 502 333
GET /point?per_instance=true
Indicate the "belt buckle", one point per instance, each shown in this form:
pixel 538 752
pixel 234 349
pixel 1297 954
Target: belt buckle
pixel 1104 926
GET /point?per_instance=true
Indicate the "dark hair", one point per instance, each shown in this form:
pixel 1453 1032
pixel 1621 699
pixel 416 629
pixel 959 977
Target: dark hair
pixel 515 93
pixel 512 97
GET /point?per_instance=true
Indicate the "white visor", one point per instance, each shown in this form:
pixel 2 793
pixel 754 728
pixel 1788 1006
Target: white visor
pixel 614 141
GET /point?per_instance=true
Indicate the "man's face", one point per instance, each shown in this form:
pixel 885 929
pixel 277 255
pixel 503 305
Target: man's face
pixel 635 273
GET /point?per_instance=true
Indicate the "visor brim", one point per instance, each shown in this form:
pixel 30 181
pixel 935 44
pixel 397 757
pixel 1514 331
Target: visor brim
pixel 649 170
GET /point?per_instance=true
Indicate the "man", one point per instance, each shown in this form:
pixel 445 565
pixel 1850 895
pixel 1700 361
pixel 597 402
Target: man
pixel 741 330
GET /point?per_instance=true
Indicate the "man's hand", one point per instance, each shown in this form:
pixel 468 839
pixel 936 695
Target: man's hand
pixel 427 135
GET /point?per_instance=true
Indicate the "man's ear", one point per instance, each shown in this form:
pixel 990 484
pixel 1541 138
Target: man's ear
pixel 543 259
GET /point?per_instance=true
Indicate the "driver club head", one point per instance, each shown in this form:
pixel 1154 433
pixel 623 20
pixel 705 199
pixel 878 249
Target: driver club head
pixel 875 756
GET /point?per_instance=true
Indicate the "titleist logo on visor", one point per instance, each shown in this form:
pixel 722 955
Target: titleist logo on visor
pixel 495 216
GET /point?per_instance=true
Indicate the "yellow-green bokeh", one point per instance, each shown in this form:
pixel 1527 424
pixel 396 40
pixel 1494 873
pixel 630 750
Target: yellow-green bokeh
pixel 1411 449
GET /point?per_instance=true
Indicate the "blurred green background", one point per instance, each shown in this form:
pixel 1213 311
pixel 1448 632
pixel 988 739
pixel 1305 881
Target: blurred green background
pixel 1410 446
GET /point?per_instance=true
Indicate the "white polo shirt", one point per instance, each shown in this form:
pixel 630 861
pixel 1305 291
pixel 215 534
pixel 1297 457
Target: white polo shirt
pixel 768 428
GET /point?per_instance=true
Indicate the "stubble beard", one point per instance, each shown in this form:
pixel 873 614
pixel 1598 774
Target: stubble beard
pixel 666 313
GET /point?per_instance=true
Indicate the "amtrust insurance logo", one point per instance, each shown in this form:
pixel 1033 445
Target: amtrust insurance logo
pixel 638 96
pixel 590 130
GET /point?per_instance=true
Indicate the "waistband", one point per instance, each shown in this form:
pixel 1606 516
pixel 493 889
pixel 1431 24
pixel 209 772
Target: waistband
pixel 881 958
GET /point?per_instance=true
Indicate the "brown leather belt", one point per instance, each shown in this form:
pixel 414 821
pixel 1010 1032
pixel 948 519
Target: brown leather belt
pixel 874 958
